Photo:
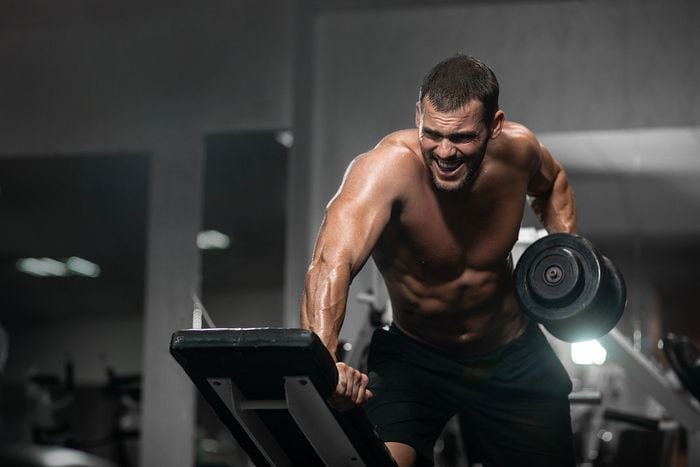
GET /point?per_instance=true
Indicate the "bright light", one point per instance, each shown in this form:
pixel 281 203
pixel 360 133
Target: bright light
pixel 49 267
pixel 588 353
pixel 285 138
pixel 57 457
pixel 42 267
pixel 82 267
pixel 212 240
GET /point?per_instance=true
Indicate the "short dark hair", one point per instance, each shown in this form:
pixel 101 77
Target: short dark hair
pixel 457 80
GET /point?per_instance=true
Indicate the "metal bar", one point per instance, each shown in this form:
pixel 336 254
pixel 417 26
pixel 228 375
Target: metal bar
pixel 320 427
pixel 645 422
pixel 250 422
pixel 586 397
pixel 646 374
pixel 263 404
pixel 200 312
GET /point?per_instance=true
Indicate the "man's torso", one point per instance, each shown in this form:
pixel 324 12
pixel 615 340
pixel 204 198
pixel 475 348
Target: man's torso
pixel 445 257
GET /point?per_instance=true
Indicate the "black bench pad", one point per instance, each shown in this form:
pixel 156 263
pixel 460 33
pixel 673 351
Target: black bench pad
pixel 257 360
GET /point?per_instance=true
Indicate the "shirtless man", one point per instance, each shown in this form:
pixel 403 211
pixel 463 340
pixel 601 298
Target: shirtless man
pixel 439 208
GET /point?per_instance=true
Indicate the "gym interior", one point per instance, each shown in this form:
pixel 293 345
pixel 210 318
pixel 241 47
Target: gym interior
pixel 167 164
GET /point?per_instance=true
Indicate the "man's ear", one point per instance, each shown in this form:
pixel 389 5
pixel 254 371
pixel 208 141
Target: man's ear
pixel 497 124
pixel 418 115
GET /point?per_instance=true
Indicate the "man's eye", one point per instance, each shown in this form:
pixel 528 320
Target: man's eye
pixel 461 138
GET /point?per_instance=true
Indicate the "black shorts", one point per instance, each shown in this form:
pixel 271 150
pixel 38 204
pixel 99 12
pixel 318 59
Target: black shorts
pixel 513 402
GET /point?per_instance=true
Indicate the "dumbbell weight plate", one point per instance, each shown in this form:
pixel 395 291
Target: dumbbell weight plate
pixel 563 282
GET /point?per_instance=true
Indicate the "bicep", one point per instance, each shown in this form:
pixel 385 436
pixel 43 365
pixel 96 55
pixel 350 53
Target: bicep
pixel 355 217
pixel 347 236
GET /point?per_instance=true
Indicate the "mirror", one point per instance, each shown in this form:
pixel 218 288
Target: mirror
pixel 72 251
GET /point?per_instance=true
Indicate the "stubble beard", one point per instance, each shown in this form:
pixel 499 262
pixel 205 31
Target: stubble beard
pixel 473 165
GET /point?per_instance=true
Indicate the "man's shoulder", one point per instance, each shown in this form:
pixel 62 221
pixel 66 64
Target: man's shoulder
pixel 515 143
pixel 401 143
pixel 518 135
pixel 397 151
pixel 389 170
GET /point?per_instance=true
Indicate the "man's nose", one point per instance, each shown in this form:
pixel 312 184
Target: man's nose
pixel 445 149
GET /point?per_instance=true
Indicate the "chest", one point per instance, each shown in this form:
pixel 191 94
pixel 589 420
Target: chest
pixel 476 233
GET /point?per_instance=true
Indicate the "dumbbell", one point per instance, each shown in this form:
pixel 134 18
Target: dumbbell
pixel 563 282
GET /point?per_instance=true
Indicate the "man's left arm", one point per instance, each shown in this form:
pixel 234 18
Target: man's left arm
pixel 551 196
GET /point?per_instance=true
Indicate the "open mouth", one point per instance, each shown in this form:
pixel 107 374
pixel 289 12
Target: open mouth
pixel 449 166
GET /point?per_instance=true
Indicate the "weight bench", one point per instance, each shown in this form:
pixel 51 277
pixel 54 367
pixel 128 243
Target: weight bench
pixel 269 386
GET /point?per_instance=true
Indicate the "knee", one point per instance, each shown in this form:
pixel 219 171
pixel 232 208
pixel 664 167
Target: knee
pixel 403 454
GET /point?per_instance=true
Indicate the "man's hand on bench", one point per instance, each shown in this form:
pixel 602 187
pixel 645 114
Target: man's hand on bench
pixel 351 390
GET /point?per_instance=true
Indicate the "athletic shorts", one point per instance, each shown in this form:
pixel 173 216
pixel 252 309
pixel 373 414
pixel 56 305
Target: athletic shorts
pixel 513 402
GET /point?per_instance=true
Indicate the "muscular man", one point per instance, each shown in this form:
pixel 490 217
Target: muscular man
pixel 439 208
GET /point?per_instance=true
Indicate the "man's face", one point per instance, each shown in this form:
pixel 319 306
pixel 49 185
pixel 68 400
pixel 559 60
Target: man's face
pixel 453 143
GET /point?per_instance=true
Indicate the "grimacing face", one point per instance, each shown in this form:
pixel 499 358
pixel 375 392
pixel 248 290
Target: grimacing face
pixel 453 143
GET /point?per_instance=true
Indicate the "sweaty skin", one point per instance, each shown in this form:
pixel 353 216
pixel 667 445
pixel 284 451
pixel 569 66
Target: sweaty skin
pixel 439 209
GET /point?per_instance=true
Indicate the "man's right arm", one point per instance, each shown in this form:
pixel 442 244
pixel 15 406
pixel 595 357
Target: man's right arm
pixel 355 218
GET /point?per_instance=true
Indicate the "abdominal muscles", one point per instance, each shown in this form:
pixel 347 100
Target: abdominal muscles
pixel 471 313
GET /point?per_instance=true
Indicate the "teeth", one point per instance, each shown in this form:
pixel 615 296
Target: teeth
pixel 448 165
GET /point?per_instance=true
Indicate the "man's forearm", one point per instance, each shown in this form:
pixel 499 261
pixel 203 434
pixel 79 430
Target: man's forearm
pixel 323 302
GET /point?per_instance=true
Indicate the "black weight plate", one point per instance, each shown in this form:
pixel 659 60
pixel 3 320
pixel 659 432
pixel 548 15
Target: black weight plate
pixel 528 290
pixel 603 314
pixel 555 278
pixel 585 306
